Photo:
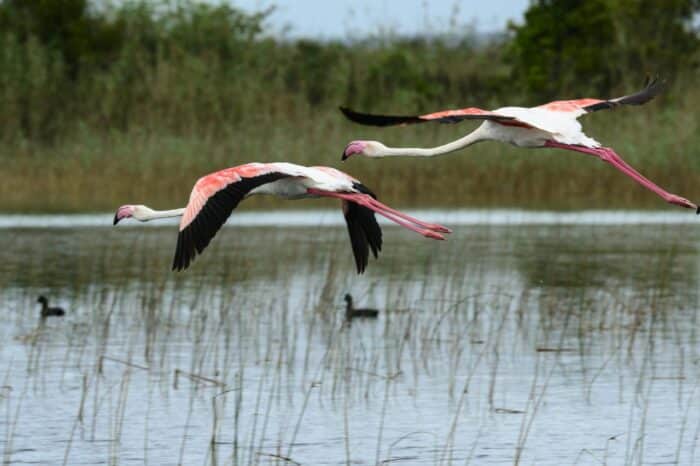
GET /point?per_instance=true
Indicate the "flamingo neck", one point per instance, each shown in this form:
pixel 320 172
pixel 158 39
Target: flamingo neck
pixel 472 138
pixel 147 214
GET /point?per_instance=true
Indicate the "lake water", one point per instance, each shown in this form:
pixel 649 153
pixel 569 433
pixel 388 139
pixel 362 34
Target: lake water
pixel 533 338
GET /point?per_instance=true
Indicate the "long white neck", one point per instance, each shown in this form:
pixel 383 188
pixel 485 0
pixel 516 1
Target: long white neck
pixel 471 138
pixel 146 213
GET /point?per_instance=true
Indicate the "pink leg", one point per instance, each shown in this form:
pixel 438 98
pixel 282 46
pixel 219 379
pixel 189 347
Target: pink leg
pixel 608 155
pixel 364 200
pixel 427 232
pixel 361 199
pixel 429 226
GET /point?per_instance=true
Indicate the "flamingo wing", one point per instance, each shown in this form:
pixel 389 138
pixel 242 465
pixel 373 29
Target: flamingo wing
pixel 445 116
pixel 363 229
pixel 212 200
pixel 652 88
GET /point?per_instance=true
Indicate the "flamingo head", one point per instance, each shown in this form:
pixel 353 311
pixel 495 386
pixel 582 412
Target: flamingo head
pixel 366 148
pixel 348 298
pixel 128 211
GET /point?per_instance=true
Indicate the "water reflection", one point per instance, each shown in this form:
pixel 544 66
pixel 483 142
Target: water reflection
pixel 609 257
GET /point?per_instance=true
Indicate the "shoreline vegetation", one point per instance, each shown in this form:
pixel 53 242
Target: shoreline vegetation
pixel 132 103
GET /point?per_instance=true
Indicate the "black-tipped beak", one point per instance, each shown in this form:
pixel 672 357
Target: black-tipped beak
pixel 343 157
pixel 116 218
pixel 697 212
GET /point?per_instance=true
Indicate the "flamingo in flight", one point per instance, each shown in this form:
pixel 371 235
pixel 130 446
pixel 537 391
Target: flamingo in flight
pixel 214 197
pixel 553 125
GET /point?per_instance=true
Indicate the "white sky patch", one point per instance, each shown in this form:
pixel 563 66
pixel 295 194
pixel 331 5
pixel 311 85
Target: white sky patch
pixel 352 19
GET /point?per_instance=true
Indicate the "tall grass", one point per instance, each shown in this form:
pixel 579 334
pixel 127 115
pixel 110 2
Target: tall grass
pixel 97 171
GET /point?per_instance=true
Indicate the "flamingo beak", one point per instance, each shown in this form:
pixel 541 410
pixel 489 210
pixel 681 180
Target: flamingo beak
pixel 124 211
pixel 354 147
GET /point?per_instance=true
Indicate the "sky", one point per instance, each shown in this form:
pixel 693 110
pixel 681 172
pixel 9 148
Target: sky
pixel 345 19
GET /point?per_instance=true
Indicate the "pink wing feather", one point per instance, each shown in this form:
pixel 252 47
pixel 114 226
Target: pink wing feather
pixel 210 184
pixel 212 200
pixel 464 113
pixel 576 106
pixel 570 105
pixel 652 88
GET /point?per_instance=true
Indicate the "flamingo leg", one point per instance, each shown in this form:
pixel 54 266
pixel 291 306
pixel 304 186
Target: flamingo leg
pixel 427 232
pixel 414 226
pixel 362 199
pixel 429 226
pixel 610 156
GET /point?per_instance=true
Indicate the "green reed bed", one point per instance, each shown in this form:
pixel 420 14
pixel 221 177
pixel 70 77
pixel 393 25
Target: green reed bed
pixel 99 172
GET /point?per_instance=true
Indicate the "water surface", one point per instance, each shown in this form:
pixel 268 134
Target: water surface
pixel 526 338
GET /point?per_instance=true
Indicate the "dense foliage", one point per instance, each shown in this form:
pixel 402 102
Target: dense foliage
pixel 191 66
pixel 569 46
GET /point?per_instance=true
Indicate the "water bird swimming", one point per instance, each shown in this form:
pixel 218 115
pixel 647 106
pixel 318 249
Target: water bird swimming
pixel 352 313
pixel 214 197
pixel 553 125
pixel 47 311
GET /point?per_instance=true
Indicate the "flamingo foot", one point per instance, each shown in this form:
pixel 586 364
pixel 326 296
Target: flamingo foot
pixel 429 226
pixel 683 202
pixel 433 235
pixel 439 228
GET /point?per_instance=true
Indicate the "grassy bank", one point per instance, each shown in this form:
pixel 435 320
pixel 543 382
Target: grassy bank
pixel 99 170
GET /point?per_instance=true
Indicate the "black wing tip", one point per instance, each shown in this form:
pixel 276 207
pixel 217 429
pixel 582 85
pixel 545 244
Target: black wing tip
pixel 371 119
pixel 654 81
pixel 365 234
pixel 351 114
pixel 179 264
pixel 369 222
pixel 653 86
pixel 363 189
pixel 183 252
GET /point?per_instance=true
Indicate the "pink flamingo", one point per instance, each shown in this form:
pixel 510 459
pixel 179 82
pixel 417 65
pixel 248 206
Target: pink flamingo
pixel 552 125
pixel 214 197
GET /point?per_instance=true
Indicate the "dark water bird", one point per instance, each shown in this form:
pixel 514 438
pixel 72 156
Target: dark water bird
pixel 47 311
pixel 352 313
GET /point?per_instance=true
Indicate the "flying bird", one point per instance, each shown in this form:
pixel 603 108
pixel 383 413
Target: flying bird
pixel 214 197
pixel 553 125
